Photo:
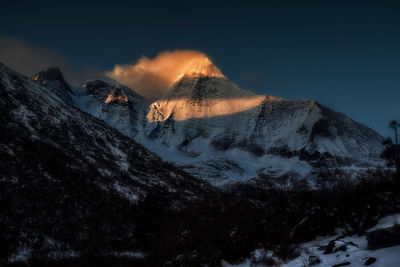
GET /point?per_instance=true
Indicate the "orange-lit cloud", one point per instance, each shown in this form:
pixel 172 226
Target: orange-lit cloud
pixel 152 77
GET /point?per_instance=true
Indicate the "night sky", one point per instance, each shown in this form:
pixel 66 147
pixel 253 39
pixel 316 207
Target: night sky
pixel 344 54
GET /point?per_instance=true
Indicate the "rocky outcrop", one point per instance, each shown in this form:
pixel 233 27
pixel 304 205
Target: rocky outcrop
pixel 53 79
pixel 382 238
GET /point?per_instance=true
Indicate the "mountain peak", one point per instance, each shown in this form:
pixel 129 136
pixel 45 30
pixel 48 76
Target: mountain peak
pixel 95 84
pixel 51 74
pixel 53 78
pixel 199 66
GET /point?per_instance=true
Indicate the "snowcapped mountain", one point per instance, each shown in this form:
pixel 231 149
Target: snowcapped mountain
pixel 77 192
pixel 216 130
pixel 212 120
pixel 68 179
pixel 120 107
pixel 231 117
pixel 52 131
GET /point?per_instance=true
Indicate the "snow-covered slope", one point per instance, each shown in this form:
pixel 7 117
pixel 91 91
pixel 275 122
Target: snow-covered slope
pixel 34 113
pixel 221 132
pixel 346 251
pixel 69 182
pixel 74 189
pixel 119 106
pixel 229 117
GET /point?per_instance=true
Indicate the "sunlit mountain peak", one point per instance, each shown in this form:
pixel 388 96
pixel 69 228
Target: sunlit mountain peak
pixel 200 65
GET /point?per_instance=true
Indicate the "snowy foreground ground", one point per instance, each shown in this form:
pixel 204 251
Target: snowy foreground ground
pixel 355 255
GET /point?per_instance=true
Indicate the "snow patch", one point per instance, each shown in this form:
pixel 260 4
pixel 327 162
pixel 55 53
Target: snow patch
pixel 126 192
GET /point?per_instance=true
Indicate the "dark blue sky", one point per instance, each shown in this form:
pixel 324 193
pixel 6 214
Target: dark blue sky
pixel 344 54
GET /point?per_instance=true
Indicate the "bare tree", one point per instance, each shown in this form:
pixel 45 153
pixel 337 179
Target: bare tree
pixel 394 125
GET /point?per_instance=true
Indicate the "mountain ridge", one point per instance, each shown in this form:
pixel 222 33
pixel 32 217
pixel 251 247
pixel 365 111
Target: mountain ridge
pixel 76 191
pixel 30 104
pixel 202 118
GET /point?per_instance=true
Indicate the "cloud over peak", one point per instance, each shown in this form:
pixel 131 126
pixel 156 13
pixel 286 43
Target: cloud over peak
pixel 152 77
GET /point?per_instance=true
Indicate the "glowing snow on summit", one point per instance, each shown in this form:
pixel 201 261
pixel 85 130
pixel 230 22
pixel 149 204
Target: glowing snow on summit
pixel 183 109
pixel 153 77
pixel 199 66
pixel 186 84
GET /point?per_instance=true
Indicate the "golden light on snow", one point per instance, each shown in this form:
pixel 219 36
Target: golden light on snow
pixel 169 75
pixel 198 66
pixel 116 98
pixel 152 77
pixel 183 109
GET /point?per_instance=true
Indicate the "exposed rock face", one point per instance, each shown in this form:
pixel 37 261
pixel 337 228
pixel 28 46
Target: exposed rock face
pixel 368 261
pixel 52 78
pixel 119 106
pixel 51 74
pixel 116 96
pixel 91 86
pixel 383 238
